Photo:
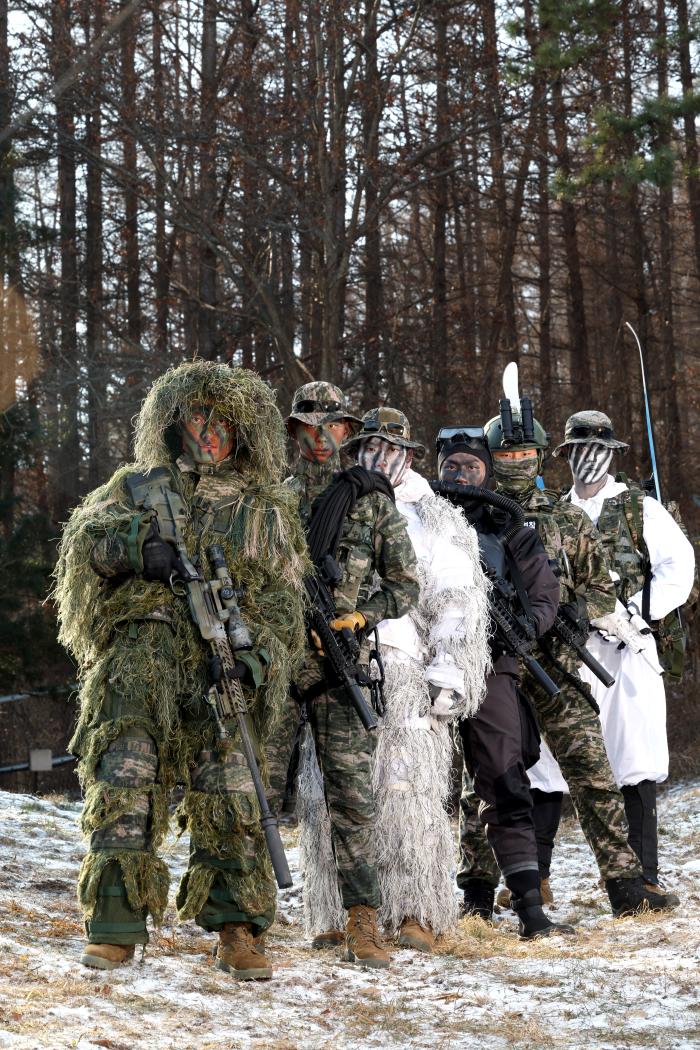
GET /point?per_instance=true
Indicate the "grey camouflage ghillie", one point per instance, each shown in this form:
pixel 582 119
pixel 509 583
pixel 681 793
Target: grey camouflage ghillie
pixel 569 725
pixel 144 722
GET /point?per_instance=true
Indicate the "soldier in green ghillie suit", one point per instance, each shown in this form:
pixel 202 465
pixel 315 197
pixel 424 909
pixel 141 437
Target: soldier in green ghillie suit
pixel 213 436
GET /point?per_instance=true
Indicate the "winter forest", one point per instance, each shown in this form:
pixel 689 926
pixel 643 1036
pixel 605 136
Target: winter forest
pixel 399 197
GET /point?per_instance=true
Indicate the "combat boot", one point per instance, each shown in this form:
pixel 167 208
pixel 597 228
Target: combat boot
pixel 478 899
pixel 661 891
pixel 236 953
pixel 364 944
pixel 328 939
pixel 631 896
pixel 503 897
pixel 532 921
pixel 107 956
pixel 413 935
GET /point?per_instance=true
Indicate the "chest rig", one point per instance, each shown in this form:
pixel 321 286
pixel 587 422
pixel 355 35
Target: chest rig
pixel 624 547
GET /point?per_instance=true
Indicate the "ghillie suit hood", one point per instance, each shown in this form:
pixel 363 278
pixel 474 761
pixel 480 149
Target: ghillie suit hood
pixel 240 504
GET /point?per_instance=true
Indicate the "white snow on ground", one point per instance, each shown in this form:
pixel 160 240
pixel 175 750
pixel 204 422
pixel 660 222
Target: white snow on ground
pixel 630 983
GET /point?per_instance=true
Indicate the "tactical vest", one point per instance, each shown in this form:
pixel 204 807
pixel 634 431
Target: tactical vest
pixel 623 542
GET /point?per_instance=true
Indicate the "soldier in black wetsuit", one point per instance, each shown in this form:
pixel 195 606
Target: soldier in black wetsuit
pixel 494 741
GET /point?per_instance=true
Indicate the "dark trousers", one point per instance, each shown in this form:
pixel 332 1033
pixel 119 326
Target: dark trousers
pixel 546 814
pixel 640 809
pixel 492 743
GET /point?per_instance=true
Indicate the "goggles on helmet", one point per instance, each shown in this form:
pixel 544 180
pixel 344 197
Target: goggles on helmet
pixel 584 430
pixel 464 434
pixel 375 426
pixel 316 406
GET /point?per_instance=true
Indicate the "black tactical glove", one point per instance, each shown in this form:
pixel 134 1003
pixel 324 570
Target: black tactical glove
pixel 239 670
pixel 160 559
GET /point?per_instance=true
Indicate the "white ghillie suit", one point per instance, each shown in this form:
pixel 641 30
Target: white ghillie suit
pixel 443 643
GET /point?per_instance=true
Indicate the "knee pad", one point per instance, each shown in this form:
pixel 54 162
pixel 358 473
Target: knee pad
pixel 121 808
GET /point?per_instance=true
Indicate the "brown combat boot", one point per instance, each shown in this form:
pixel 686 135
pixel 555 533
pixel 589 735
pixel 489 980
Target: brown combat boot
pixel 107 956
pixel 236 953
pixel 364 944
pixel 328 939
pixel 413 935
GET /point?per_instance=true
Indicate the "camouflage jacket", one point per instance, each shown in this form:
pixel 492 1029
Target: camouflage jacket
pixel 573 542
pixel 375 553
pixel 309 480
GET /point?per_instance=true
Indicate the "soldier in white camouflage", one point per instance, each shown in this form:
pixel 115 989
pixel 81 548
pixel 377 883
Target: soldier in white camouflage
pixel 379 581
pixel 568 722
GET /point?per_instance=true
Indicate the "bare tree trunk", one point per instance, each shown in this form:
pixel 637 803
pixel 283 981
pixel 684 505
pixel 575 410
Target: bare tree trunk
pixel 93 15
pixel 375 321
pixel 127 35
pixel 66 473
pixel 439 353
pixel 578 333
pixel 162 275
pixel 207 185
pixel 692 159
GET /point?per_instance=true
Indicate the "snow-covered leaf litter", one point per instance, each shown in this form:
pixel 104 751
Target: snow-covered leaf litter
pixel 617 984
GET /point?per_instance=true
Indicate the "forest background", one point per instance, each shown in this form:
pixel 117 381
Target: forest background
pixel 398 197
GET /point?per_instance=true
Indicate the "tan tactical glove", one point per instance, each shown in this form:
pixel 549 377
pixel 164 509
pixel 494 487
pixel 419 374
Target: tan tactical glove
pixel 353 621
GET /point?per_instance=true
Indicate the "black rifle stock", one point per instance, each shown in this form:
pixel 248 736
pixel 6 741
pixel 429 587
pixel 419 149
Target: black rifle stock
pixel 214 609
pixel 567 628
pixel 341 648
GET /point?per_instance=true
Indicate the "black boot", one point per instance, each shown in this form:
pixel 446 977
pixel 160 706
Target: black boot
pixel 630 896
pixel 478 899
pixel 532 921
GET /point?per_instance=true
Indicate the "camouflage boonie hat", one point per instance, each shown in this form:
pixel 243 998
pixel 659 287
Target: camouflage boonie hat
pixel 390 425
pixel 583 427
pixel 317 403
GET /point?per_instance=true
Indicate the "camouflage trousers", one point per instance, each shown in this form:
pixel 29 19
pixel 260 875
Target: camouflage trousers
pixel 573 733
pixel 132 752
pixel 344 753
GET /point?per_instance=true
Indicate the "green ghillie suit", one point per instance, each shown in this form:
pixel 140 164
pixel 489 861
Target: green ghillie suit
pixel 144 723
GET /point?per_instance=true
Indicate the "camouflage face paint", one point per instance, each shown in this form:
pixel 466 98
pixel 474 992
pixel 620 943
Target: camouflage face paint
pixel 463 469
pixel 319 444
pixel 384 458
pixel 206 436
pixel 589 462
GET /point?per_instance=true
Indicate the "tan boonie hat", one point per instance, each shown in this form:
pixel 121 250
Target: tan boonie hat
pixel 319 402
pixel 390 425
pixel 584 427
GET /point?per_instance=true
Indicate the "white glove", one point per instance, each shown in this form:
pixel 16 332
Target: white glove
pixel 443 703
pixel 637 620
pixel 619 626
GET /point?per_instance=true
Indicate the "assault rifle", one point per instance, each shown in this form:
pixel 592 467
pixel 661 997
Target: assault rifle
pixel 514 633
pixel 569 629
pixel 341 648
pixel 214 609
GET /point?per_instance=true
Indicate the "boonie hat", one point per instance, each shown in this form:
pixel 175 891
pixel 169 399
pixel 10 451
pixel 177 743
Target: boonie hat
pixel 390 425
pixel 587 426
pixel 320 402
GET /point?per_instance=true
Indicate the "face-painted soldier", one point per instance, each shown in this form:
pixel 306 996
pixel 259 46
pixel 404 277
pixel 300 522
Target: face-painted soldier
pixel 435 660
pixel 377 581
pixel 210 437
pixel 654 566
pixel 570 727
pixel 492 740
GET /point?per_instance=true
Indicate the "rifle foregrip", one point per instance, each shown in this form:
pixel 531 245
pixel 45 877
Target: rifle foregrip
pixel 275 848
pixel 537 671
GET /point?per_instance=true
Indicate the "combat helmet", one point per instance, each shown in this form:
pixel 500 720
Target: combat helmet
pixel 515 427
pixel 320 402
pixel 390 425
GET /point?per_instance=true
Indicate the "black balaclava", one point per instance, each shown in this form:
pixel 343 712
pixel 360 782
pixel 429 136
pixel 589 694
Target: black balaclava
pixel 473 509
